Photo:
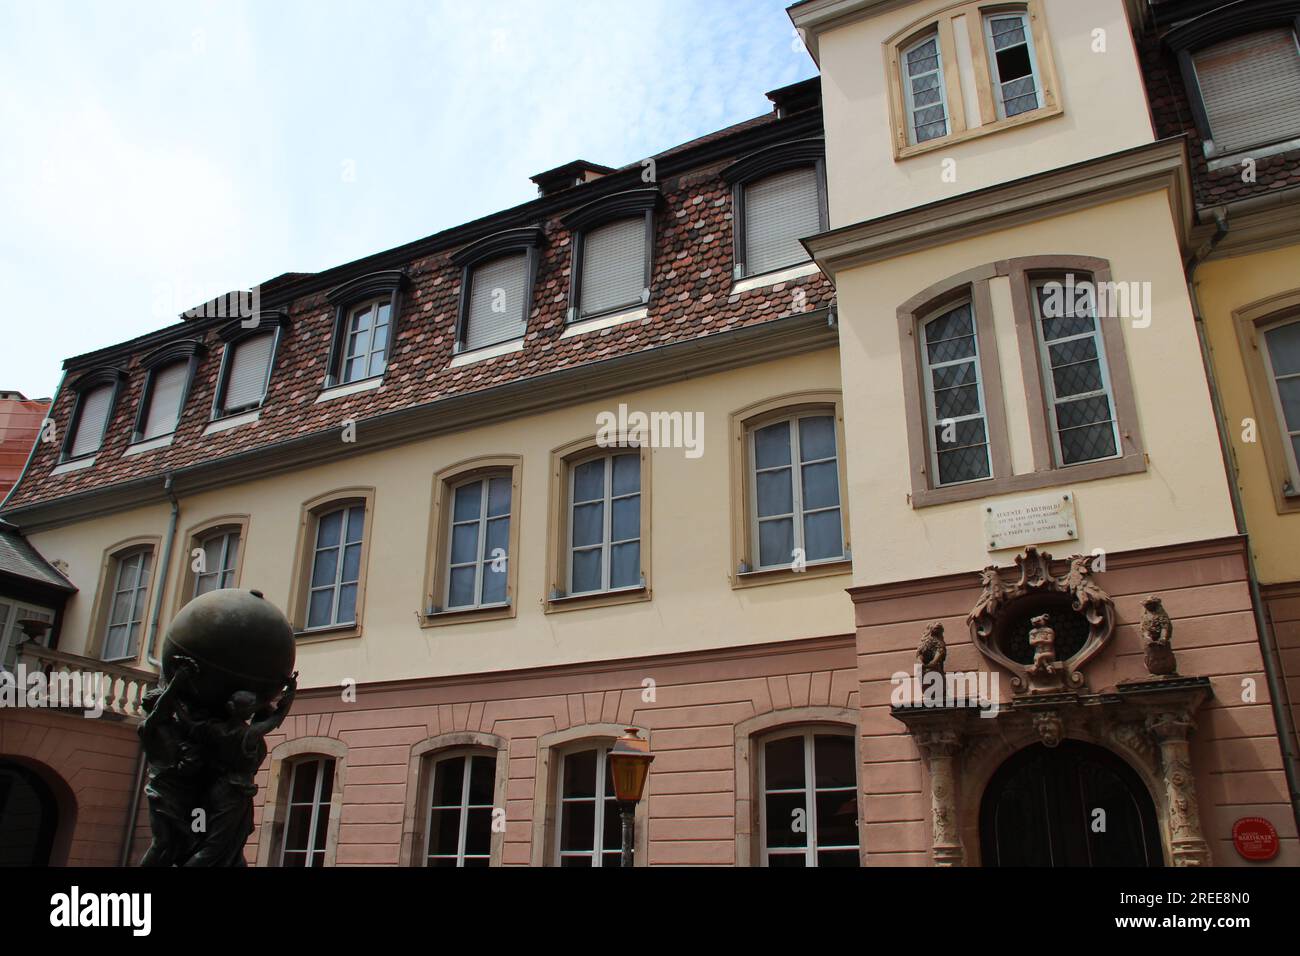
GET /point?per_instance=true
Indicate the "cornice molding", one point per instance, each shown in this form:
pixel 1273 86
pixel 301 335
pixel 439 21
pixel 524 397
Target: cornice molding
pixel 1231 20
pixel 362 287
pixel 812 18
pixel 181 349
pixel 627 203
pixel 778 338
pixel 266 319
pixel 104 375
pixel 1133 172
pixel 499 244
pixel 775 159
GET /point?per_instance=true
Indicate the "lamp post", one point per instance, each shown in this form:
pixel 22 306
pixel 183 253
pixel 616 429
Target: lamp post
pixel 629 765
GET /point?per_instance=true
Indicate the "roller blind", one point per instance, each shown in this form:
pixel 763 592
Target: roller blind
pixel 90 423
pixel 613 265
pixel 1250 86
pixel 780 210
pixel 496 302
pixel 246 377
pixel 165 400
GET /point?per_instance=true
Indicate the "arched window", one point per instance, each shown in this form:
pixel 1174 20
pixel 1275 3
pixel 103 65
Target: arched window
pixel 333 552
pixel 808 814
pixel 122 605
pixel 366 312
pixel 587 812
pixel 954 396
pixel 458 826
pixel 307 811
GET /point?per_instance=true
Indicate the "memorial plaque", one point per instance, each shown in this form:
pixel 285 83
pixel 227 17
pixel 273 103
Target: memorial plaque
pixel 1034 519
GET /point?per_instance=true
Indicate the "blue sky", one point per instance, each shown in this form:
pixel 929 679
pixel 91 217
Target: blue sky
pixel 159 152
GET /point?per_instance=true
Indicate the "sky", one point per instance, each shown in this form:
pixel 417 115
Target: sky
pixel 154 154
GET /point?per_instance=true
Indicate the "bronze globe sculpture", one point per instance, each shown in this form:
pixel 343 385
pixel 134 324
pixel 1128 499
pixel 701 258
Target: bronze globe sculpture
pixel 227 681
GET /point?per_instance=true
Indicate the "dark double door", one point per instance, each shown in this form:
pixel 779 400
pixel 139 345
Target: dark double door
pixel 1071 805
pixel 28 817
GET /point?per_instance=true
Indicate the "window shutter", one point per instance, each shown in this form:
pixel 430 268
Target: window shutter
pixel 779 211
pixel 246 377
pixel 1251 89
pixel 165 400
pixel 90 424
pixel 500 284
pixel 613 265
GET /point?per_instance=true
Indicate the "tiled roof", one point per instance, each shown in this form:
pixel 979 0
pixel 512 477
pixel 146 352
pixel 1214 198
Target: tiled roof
pixel 691 298
pixel 20 559
pixel 1172 113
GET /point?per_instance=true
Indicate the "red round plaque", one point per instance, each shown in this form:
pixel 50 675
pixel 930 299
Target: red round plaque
pixel 1255 838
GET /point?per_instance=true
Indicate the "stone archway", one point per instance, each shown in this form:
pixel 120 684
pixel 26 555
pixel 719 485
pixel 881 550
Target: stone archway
pixel 29 817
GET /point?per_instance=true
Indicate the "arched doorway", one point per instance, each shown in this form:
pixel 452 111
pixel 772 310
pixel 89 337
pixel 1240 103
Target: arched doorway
pixel 29 817
pixel 1041 809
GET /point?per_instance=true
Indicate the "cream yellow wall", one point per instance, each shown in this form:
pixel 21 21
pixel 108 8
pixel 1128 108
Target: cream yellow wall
pixel 1223 286
pixel 693 606
pixel 1102 95
pixel 1181 497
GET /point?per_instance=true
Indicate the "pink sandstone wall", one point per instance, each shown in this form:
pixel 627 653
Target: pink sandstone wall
pixel 1234 748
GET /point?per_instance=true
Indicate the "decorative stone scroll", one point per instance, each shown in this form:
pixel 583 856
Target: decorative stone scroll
pixel 1041 598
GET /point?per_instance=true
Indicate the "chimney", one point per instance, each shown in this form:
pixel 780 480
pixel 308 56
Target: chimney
pixel 567 176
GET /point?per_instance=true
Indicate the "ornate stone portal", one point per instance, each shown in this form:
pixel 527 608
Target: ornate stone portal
pixel 1019 628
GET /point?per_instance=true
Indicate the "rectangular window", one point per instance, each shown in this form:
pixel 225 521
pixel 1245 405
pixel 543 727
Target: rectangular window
pixel 796 520
pixel 1282 362
pixel 247 373
pixel 780 210
pixel 923 87
pixel 1075 375
pixel 92 418
pixel 605 524
pixel 461 793
pixel 959 441
pixel 366 344
pixel 1250 88
pixel 588 815
pixel 1013 66
pixel 498 292
pixel 220 556
pixel 130 583
pixel 613 266
pixel 336 567
pixel 479 543
pixel 166 388
pixel 810 801
pixel 307 812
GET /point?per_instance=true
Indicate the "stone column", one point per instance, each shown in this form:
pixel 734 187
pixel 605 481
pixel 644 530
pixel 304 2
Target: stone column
pixel 1186 842
pixel 939 747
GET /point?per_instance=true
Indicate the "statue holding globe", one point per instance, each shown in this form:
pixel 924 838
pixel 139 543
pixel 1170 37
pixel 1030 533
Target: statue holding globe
pixel 227 681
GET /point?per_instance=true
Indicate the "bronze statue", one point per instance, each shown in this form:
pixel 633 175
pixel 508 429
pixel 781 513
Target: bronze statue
pixel 1157 633
pixel 172 785
pixel 932 651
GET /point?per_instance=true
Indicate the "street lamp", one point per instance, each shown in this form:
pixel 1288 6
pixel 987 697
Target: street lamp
pixel 629 765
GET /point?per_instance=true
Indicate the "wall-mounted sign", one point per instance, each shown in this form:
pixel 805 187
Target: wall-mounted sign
pixel 1255 838
pixel 1033 519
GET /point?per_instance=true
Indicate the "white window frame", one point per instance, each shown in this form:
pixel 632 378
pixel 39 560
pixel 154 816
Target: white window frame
pixel 607 530
pixel 931 408
pixel 995 77
pixel 316 805
pixel 464 806
pixel 482 560
pixel 1049 382
pixel 601 800
pixel 796 484
pixel 226 570
pixel 143 580
pixel 346 357
pixel 1293 465
pixel 11 611
pixel 809 791
pixel 908 96
pixel 338 582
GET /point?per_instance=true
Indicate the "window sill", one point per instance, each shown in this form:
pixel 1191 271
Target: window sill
pixel 75 464
pixel 608 321
pixel 952 139
pixel 1131 464
pixel 573 602
pixel 769 279
pixel 819 569
pixel 234 421
pixel 351 388
pixel 1217 161
pixel 487 352
pixel 486 612
pixel 335 632
pixel 153 444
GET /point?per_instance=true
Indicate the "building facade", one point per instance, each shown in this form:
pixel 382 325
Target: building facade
pixel 614 457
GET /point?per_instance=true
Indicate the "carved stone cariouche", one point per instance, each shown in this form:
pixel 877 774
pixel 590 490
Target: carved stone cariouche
pixel 932 651
pixel 1157 639
pixel 1038 589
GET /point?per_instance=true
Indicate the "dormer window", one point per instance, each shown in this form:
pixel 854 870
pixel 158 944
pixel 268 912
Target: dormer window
pixel 168 371
pixel 779 196
pixel 92 410
pixel 496 288
pixel 246 363
pixel 1250 89
pixel 365 316
pixel 613 253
